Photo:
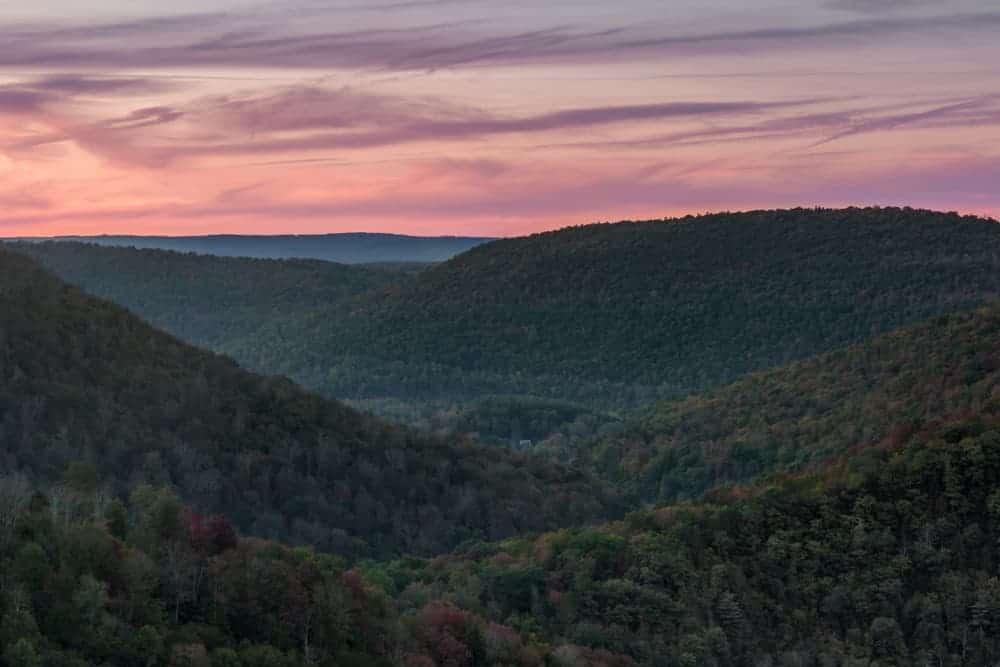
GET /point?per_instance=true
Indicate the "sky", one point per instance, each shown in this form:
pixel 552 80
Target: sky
pixel 478 117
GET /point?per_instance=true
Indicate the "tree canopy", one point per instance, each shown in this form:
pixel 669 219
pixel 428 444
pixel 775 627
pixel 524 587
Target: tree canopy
pixel 83 380
pixel 803 414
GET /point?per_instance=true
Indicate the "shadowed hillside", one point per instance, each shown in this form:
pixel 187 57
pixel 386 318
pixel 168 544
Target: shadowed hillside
pixel 264 313
pixel 805 413
pixel 82 380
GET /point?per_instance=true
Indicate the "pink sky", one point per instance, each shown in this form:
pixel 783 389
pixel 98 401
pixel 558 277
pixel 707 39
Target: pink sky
pixel 484 118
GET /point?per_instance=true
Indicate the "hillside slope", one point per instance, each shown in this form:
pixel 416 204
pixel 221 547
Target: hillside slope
pixel 83 380
pixel 263 313
pixel 805 413
pixel 888 558
pixel 612 316
pixel 666 308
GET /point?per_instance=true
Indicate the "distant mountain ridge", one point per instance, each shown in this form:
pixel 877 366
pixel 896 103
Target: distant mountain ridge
pixel 345 248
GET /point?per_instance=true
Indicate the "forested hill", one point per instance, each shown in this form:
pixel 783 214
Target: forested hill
pixel 681 305
pixel 350 248
pixel 888 559
pixel 264 313
pixel 610 316
pixel 806 413
pixel 81 380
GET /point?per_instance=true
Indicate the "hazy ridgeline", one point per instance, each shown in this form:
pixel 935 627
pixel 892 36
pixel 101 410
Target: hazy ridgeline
pixel 357 248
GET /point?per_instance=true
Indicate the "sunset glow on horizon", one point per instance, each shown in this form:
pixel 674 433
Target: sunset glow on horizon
pixel 468 117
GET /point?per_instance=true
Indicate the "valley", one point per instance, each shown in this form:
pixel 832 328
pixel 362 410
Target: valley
pixel 603 318
pixel 454 333
pixel 814 486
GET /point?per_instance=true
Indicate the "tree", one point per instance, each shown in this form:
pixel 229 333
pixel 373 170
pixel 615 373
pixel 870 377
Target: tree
pixel 15 495
pixel 22 653
pixel 887 639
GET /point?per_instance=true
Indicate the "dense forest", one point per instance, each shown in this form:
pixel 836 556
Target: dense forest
pixel 256 310
pixel 518 421
pixel 620 313
pixel 802 414
pixel 160 506
pixel 885 558
pixel 83 380
pixel 349 248
pixel 888 557
pixel 612 316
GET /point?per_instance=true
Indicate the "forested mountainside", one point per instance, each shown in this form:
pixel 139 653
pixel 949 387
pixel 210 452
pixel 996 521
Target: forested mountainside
pixel 134 467
pixel 611 316
pixel 264 313
pixel 519 421
pixel 267 314
pixel 888 557
pixel 804 413
pixel 350 248
pixel 634 310
pixel 82 380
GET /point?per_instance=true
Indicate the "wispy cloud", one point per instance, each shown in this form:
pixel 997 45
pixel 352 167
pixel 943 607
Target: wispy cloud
pixel 417 128
pixel 880 6
pixel 80 84
pixel 814 36
pixel 234 40
pixel 305 119
pixel 302 120
pixel 825 126
pixel 20 100
pixel 953 113
pixel 49 92
pixel 512 198
pixel 24 199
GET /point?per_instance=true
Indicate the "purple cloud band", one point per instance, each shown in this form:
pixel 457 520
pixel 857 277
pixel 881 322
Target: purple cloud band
pixel 247 41
pixel 304 119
